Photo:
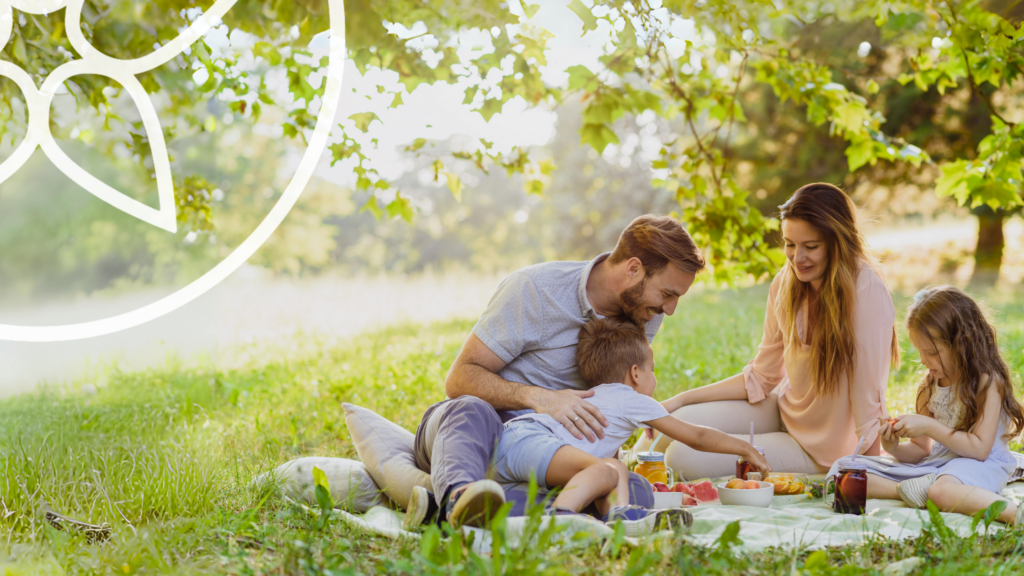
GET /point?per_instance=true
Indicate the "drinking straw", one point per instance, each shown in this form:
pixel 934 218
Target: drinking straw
pixel 857 451
pixel 751 432
pixel 655 443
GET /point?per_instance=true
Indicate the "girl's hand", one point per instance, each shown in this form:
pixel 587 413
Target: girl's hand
pixel 912 425
pixel 887 434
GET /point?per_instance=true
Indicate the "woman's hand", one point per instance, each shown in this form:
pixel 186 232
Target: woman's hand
pixel 912 426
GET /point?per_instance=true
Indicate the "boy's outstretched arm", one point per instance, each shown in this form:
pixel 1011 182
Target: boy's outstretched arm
pixel 709 440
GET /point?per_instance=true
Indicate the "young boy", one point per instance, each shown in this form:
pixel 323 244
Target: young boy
pixel 617 362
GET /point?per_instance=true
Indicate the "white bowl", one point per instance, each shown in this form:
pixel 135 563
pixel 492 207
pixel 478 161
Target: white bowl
pixel 668 500
pixel 761 497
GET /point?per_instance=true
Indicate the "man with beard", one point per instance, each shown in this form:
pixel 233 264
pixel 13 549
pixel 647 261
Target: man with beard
pixel 520 358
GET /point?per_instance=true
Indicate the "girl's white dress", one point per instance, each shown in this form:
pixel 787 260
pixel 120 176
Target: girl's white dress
pixel 990 474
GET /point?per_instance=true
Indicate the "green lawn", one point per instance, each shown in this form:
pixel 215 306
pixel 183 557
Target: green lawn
pixel 165 457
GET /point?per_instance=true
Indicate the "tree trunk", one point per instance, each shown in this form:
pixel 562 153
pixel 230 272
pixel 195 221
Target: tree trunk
pixel 988 255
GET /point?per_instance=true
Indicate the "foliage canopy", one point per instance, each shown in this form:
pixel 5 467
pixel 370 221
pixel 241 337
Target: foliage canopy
pixel 697 65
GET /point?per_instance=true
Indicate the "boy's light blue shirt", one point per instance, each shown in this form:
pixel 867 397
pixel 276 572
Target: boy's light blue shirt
pixel 625 409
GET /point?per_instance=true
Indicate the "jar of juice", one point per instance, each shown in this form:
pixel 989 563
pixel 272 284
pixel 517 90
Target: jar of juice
pixel 743 467
pixel 651 465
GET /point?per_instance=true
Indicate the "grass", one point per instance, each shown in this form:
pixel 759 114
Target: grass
pixel 166 456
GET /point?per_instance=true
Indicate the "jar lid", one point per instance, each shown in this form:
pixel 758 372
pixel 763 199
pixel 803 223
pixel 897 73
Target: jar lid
pixel 650 456
pixel 851 464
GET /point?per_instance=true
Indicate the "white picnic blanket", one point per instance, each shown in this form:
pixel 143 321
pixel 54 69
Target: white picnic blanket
pixel 790 522
pixel 576 530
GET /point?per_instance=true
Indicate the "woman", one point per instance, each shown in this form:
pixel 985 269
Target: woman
pixel 818 381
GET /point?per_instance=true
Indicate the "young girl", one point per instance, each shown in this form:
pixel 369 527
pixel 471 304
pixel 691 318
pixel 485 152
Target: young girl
pixel 965 405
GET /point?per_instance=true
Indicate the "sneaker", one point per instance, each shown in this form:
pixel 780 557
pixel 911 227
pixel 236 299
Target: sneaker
pixel 914 492
pixel 421 509
pixel 639 521
pixel 475 504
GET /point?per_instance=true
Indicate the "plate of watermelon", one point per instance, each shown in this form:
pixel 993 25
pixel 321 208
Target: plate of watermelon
pixel 684 494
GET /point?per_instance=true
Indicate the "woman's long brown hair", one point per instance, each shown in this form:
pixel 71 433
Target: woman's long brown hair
pixel 950 317
pixel 833 346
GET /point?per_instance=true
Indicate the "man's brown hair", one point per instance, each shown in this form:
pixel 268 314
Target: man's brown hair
pixel 608 348
pixel 656 241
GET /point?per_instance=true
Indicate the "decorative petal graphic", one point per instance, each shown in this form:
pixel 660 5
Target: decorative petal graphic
pixel 73 25
pixel 33 136
pixel 6 23
pixel 124 71
pixel 164 215
pixel 37 6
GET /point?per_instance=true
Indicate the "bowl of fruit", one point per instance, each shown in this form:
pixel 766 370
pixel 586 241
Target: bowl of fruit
pixel 738 492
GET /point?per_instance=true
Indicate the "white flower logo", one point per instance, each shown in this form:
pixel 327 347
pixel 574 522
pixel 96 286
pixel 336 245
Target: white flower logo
pixel 125 71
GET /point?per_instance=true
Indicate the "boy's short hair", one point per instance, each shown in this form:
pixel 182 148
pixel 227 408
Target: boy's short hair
pixel 608 348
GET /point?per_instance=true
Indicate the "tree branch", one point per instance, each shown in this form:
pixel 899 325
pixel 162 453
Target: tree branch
pixel 732 113
pixel 970 75
pixel 693 129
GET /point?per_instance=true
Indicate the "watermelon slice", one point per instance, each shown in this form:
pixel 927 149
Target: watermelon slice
pixel 689 500
pixel 704 492
pixel 687 489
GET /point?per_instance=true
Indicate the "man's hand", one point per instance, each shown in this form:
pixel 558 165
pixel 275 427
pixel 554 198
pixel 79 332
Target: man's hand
pixel 912 425
pixel 580 418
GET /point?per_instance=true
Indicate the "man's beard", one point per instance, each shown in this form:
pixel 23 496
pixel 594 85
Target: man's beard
pixel 632 302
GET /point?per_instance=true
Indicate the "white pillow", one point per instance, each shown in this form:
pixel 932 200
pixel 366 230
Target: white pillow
pixel 386 450
pixel 352 488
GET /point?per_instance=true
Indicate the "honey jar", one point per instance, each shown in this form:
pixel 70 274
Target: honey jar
pixel 651 465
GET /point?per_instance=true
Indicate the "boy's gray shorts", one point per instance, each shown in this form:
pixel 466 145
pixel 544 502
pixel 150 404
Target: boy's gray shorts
pixel 525 447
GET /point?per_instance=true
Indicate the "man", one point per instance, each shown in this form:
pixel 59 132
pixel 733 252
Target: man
pixel 520 357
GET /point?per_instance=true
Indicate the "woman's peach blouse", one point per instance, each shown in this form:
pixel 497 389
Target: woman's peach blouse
pixel 828 428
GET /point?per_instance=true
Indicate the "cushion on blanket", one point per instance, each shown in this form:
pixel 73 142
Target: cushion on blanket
pixel 386 450
pixel 352 488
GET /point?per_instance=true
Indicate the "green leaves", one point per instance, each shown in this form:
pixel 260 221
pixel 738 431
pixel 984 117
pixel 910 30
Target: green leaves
pixel 994 178
pixel 528 9
pixel 322 490
pixel 988 515
pixel 581 10
pixel 581 78
pixel 400 206
pixel 455 185
pixel 363 120
pixel 598 136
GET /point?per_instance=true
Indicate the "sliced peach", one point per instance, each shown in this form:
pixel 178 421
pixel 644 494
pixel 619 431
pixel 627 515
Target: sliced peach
pixel 753 484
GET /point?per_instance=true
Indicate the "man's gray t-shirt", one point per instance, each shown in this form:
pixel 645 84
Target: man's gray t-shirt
pixel 533 321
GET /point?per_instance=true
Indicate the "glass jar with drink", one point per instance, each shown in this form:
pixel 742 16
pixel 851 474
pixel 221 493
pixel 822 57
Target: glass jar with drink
pixel 851 487
pixel 743 467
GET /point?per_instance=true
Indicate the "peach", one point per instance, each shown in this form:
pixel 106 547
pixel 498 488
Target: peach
pixel 753 484
pixel 736 484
